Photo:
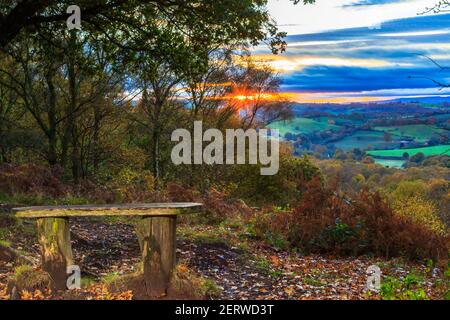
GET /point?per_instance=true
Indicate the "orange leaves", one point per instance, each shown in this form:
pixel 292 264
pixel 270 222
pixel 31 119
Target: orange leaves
pixel 289 290
pixel 3 293
pixel 182 268
pixel 101 292
pixel 34 295
pixel 92 292
pixel 275 261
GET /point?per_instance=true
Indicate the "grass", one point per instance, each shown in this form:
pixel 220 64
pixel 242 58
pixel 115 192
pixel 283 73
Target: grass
pixel 364 139
pixel 390 163
pixel 264 265
pixel 427 151
pixel 302 125
pixel 205 235
pixel 419 132
pixel 409 287
pixel 27 278
pixel 5 243
pixel 40 200
pixel 311 281
pixel 4 234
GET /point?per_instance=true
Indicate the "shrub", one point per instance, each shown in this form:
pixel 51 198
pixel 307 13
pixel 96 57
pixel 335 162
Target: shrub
pixel 326 222
pixel 421 211
pixel 26 278
pixel 32 179
pixel 280 189
pixel 217 205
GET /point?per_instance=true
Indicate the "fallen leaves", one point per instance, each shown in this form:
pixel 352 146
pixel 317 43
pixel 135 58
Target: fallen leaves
pixel 3 293
pixel 276 262
pixel 182 268
pixel 101 292
pixel 34 295
pixel 255 271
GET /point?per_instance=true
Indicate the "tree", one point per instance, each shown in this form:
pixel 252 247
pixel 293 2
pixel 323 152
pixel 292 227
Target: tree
pixel 254 94
pixel 441 6
pixel 218 20
pixel 417 158
pixel 387 136
pixel 158 110
pixel 58 82
pixel 71 87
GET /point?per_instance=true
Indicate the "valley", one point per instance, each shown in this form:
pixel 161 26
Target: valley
pixel 391 133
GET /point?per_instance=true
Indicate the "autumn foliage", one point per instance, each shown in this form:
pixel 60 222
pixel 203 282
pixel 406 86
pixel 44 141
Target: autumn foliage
pixel 326 222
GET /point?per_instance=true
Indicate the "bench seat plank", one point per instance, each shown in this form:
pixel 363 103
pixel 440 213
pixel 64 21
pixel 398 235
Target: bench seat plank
pixel 137 209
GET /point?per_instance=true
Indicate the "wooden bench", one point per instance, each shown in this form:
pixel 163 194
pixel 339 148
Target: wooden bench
pixel 156 231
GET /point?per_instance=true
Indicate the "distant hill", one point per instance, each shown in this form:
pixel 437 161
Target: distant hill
pixel 439 99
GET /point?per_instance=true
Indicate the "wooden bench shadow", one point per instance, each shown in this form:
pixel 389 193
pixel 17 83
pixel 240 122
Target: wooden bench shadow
pixel 156 231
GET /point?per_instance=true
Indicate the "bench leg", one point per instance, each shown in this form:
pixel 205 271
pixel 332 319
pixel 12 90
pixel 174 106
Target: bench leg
pixel 158 247
pixel 54 238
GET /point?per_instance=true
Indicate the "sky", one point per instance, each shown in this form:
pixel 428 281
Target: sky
pixel 361 50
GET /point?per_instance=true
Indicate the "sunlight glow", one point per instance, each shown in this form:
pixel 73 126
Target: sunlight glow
pixel 295 63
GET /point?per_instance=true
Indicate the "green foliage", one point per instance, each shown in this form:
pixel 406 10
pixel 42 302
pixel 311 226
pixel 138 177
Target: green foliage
pixel 409 198
pixel 281 189
pixel 27 278
pixel 421 211
pixel 408 288
pixel 5 243
pixel 341 233
pixel 209 288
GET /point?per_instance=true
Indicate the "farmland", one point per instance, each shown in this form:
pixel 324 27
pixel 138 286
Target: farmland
pixel 384 131
pixel 398 153
pixel 418 132
pixel 391 163
pixel 302 125
pixel 364 139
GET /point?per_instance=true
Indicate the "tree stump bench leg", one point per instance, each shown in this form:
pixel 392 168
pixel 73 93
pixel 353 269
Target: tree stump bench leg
pixel 54 238
pixel 158 247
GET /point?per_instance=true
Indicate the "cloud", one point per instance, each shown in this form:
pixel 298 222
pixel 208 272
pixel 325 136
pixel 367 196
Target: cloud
pixel 366 96
pixel 287 64
pixel 359 63
pixel 336 79
pixel 360 3
pixel 415 33
pixel 340 14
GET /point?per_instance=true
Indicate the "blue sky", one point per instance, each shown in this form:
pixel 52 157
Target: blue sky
pixel 361 50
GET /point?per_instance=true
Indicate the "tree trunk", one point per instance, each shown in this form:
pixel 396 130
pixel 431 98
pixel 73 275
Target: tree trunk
pixel 158 247
pixel 51 114
pixel 54 238
pixel 155 153
pixel 73 92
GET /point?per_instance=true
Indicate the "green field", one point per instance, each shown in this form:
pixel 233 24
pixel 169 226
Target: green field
pixel 364 139
pixel 338 121
pixel 302 125
pixel 390 163
pixel 427 151
pixel 419 132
